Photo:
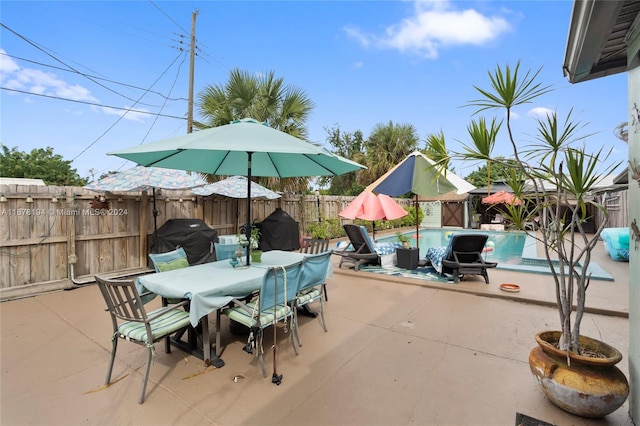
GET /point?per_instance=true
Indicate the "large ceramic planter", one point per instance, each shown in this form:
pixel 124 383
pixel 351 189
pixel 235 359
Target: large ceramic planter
pixel 588 387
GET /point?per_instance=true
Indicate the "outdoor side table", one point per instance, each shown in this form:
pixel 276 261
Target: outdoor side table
pixel 407 258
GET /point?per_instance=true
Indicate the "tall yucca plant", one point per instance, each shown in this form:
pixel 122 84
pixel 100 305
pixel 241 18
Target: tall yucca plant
pixel 554 179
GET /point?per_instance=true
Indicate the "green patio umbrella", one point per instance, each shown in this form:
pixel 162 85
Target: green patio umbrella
pixel 243 147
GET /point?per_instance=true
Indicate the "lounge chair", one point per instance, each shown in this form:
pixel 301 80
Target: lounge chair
pixel 362 249
pixel 463 256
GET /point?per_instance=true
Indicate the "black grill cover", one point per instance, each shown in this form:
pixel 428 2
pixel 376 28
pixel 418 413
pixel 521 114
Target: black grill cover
pixel 279 232
pixel 193 235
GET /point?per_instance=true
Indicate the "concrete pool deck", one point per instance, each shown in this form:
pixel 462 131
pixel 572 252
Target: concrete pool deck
pixel 397 352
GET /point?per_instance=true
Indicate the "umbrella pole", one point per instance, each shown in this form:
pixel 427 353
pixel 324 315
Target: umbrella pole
pixel 417 224
pixel 155 219
pixel 237 216
pixel 374 230
pixel 248 227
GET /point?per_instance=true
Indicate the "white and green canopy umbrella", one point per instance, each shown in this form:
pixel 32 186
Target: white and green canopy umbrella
pixel 236 187
pixel 144 178
pixel 243 147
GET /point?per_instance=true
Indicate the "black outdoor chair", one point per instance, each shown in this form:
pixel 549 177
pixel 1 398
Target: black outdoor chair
pixel 464 257
pixel 362 249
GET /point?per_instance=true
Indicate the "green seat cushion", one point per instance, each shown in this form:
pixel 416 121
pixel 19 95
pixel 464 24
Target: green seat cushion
pixel 309 296
pixel 173 264
pixel 170 266
pixel 173 320
pixel 241 315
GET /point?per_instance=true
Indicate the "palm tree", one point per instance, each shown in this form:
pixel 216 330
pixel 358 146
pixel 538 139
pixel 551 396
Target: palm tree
pixel 264 97
pixel 387 146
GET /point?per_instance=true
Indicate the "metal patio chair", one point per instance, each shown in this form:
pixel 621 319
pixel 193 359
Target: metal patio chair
pixel 315 246
pixel 169 261
pixel 275 303
pixel 133 323
pixel 313 282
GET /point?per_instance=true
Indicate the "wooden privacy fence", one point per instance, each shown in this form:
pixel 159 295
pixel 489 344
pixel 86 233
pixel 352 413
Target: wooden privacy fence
pixel 55 238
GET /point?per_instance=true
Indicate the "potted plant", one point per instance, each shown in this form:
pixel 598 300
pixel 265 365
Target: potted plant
pixel 318 230
pixel 252 243
pixel 256 254
pixel 404 239
pixel 553 178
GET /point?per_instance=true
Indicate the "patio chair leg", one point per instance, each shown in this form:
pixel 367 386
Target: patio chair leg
pixel 294 340
pixel 324 324
pixel 295 312
pixel 324 290
pixel 114 347
pixel 146 375
pixel 261 361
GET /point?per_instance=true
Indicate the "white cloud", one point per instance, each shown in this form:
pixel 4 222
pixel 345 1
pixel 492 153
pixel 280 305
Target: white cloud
pixel 359 36
pixel 131 115
pixel 33 80
pixel 540 112
pixel 7 65
pixel 434 26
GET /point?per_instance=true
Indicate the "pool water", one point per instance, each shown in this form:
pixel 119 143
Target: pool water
pixel 502 247
pixel 513 250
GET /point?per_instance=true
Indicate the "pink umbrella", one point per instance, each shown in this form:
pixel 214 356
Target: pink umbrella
pixel 368 206
pixel 501 197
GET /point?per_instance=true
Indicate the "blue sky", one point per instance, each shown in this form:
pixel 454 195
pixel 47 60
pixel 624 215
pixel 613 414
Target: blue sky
pixel 361 62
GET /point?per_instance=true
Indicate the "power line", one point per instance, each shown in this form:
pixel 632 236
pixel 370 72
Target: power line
pixel 90 103
pixel 93 76
pixel 163 105
pixel 127 110
pixel 34 44
pixel 169 17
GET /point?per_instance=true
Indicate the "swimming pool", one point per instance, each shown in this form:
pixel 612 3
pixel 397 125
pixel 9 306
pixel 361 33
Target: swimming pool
pixel 513 250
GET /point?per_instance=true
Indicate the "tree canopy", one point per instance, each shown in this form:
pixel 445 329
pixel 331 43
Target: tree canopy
pixel 40 163
pixel 265 98
pixel 480 177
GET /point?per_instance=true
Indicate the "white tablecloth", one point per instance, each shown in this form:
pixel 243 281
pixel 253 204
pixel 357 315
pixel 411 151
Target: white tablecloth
pixel 211 286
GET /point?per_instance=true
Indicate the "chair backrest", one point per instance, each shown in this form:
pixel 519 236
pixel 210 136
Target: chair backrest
pixel 314 245
pixel 466 248
pixel 170 260
pixel 123 300
pixel 359 238
pixel 226 251
pixel 314 270
pixel 273 285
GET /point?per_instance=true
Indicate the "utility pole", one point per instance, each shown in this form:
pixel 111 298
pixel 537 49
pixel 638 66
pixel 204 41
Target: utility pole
pixel 192 51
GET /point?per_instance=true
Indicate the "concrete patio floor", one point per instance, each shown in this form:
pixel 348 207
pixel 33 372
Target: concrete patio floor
pixel 398 352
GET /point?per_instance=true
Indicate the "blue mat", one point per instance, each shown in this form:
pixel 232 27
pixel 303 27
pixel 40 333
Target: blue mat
pixel 426 273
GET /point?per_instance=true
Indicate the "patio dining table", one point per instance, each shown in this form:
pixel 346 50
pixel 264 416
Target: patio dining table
pixel 211 286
